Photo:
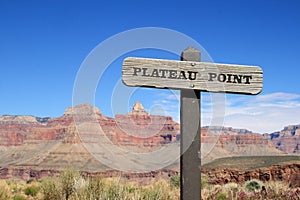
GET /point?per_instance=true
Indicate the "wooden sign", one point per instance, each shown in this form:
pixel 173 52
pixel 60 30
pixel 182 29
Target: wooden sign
pixel 191 76
pixel 210 77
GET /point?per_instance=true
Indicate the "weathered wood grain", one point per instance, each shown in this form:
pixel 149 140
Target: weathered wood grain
pixel 190 131
pixel 210 77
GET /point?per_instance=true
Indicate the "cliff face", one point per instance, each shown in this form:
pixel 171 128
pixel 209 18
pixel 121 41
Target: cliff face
pixel 288 173
pixel 54 143
pixel 137 127
pixel 227 142
pixel 15 130
pixel 287 140
pixel 142 178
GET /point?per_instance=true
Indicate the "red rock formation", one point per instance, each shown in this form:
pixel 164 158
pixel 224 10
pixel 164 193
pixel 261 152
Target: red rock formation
pixel 289 173
pixel 45 142
pixel 138 128
pixel 28 174
pixel 288 139
pixel 237 136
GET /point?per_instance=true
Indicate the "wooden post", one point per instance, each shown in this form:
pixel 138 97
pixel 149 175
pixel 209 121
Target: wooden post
pixel 190 144
pixel 191 76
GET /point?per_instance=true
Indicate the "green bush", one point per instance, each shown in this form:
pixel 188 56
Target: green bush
pixel 95 188
pixel 31 190
pixel 51 189
pixel 19 197
pixel 114 190
pixel 175 180
pixel 203 181
pixel 221 196
pixel 68 180
pixel 253 185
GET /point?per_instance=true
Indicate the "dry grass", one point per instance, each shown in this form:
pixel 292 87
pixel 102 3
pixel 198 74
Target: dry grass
pixel 71 186
pixel 4 190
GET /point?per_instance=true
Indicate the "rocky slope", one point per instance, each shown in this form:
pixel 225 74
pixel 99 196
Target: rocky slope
pixel 287 140
pixel 287 172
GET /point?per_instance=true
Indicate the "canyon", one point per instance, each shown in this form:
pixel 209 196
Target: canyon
pixel 33 147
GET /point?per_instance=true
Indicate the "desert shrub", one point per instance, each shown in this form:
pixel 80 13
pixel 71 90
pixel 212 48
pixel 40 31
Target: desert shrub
pixel 29 181
pixel 231 189
pixel 15 185
pixel 211 192
pixel 114 191
pixel 130 189
pixel 88 189
pixel 204 182
pixel 95 188
pixel 294 194
pixel 221 196
pixel 149 194
pixel 160 190
pixel 242 195
pixel 277 190
pixel 98 188
pixel 230 186
pixel 4 190
pixel 19 197
pixel 31 190
pixel 68 180
pixel 175 180
pixel 253 185
pixel 51 189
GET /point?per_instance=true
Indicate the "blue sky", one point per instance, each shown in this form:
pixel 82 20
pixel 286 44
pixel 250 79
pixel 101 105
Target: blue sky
pixel 44 43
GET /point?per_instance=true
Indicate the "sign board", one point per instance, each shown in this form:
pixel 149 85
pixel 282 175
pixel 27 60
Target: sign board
pixel 210 77
pixel 195 76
